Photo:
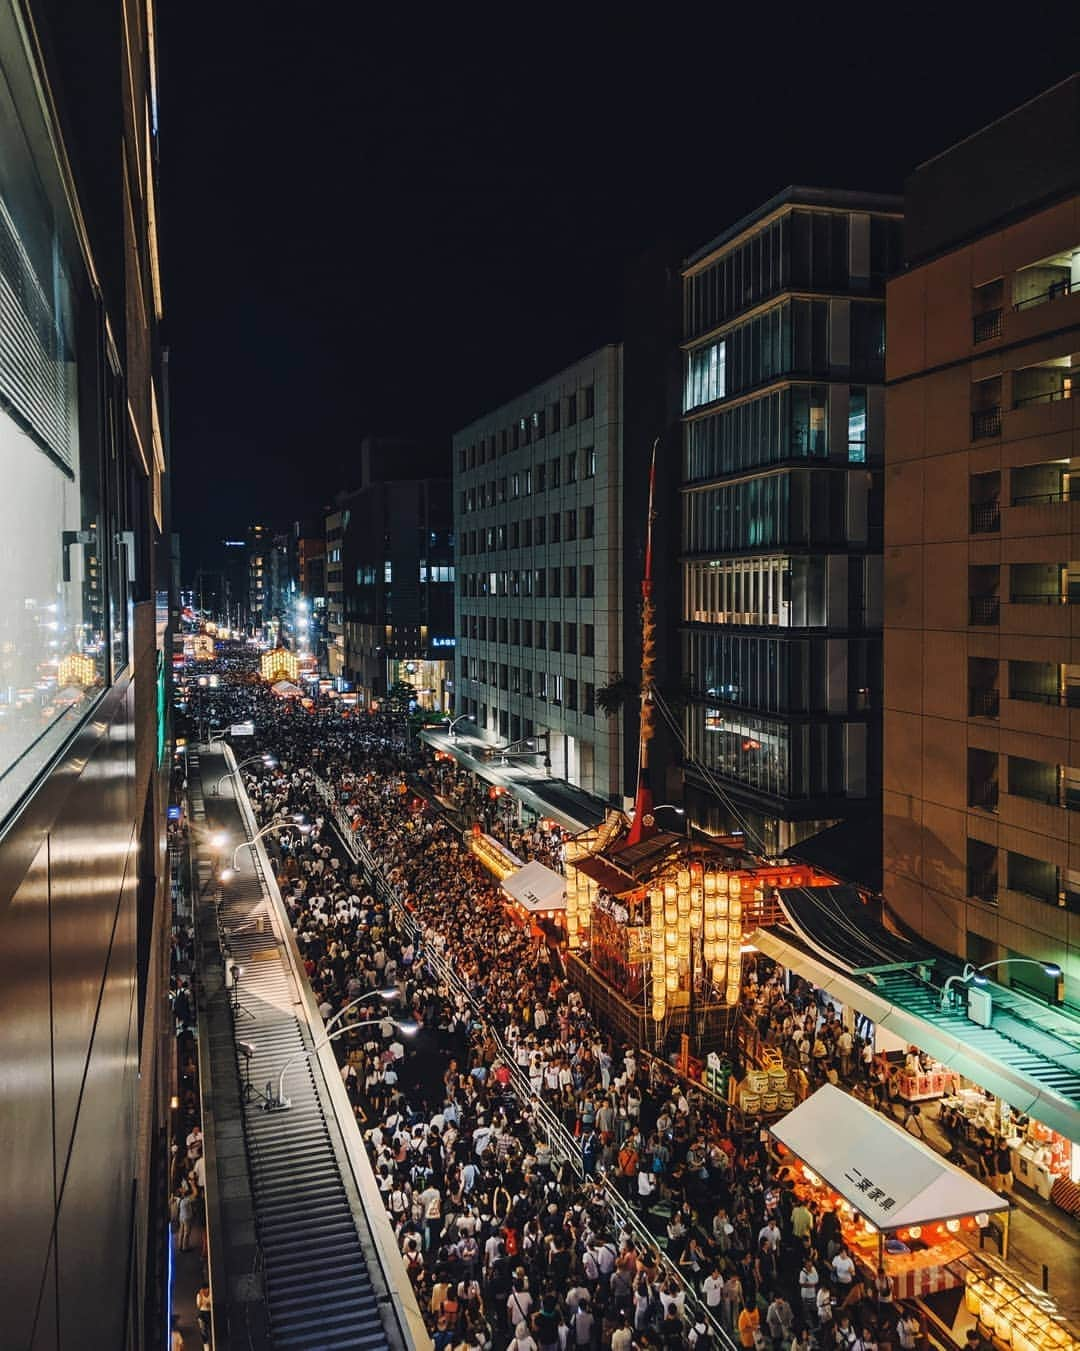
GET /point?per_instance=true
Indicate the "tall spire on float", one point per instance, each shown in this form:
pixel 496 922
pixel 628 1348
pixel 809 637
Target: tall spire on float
pixel 643 824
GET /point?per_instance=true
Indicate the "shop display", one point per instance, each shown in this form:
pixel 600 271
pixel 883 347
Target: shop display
pixel 495 857
pixel 1009 1310
pixel 923 1086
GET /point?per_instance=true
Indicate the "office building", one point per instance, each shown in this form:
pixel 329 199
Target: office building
pixel 982 675
pixel 86 1043
pixel 538 521
pixel 390 574
pixel 398 559
pixel 783 407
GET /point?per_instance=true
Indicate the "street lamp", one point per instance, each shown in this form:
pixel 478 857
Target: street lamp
pixel 389 995
pixel 972 974
pixel 268 761
pixel 453 722
pixel 281 1101
pixel 666 806
pixel 266 830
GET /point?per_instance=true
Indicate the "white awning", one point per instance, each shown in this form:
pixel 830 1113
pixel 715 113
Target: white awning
pixel 537 888
pixel 883 1171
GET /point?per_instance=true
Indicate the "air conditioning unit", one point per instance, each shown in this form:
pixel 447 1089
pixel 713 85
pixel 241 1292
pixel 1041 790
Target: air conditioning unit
pixel 980 1006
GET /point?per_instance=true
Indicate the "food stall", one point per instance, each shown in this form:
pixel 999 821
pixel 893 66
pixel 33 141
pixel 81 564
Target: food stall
pixel 1041 1158
pixel 538 897
pixel 1008 1311
pixel 496 858
pixel 901 1204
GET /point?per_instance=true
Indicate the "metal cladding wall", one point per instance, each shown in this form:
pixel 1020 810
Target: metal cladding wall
pixel 69 1050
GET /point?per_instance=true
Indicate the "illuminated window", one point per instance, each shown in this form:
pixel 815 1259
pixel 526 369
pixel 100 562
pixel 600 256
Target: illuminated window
pixel 856 424
pixel 706 375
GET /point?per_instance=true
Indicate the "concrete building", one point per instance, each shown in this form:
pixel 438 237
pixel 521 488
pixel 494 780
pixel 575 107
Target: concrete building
pixel 982 653
pixel 390 573
pixel 398 563
pixel 87 1046
pixel 783 407
pixel 538 520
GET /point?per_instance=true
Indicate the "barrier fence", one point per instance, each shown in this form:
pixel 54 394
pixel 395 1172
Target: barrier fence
pixel 562 1143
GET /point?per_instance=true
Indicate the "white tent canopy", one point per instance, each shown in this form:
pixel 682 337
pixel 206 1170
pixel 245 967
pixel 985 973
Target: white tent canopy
pixel 537 888
pixel 879 1168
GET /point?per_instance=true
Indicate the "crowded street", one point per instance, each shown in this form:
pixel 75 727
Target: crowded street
pixel 545 1180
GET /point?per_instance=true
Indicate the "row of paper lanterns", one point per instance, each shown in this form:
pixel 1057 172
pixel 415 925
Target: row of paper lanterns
pixel 696 907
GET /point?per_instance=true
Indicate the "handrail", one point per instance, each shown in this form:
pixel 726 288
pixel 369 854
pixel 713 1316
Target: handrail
pixel 562 1144
pixel 1058 288
pixel 389 1261
pixel 1047 396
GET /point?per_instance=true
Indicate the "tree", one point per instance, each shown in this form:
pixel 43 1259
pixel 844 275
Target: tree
pixel 613 697
pixel 400 697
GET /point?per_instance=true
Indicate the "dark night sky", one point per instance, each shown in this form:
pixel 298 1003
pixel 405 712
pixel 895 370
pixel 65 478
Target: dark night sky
pixel 394 228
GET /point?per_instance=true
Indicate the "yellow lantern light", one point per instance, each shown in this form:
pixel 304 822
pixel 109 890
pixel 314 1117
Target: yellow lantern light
pixel 671 960
pixel 719 973
pixel 670 893
pixel 671 914
pixel 710 907
pixel 683 949
pixel 658 944
pixel 953 1226
pixel 684 903
pixel 76 669
pixel 734 949
pixel 671 937
pixel 682 879
pixel 671 981
pixel 279 664
pixel 710 931
pixel 709 949
pixel 723 906
pixel 684 925
pixel 722 928
pixel 709 883
pixel 697 893
pixel 732 992
pixel 723 883
pixel 657 919
pixel 734 906
pixel 695 919
pixel 659 1008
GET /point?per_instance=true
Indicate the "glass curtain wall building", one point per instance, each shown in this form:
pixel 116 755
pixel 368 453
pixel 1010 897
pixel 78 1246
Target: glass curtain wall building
pixel 783 414
pixel 86 1044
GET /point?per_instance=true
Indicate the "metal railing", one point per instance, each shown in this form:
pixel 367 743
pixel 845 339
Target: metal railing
pixel 985 517
pixel 1038 598
pixel 983 887
pixel 983 609
pixel 983 703
pixel 1038 499
pixel 1059 288
pixel 1067 698
pixel 986 422
pixel 984 795
pixel 986 326
pixel 1045 396
pixel 564 1147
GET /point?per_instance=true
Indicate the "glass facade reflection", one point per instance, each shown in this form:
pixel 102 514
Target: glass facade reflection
pixel 781 520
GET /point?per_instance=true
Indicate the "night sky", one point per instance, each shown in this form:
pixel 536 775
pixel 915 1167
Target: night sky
pixel 394 228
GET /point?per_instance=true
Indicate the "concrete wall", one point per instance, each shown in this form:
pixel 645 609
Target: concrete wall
pixel 929 549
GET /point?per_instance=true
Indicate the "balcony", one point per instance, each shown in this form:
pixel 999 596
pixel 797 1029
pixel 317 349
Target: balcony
pixel 983 887
pixel 985 327
pixel 1062 287
pixel 1069 698
pixel 983 795
pixel 983 610
pixel 1043 396
pixel 985 518
pixel 1038 499
pixel 983 703
pixel 986 422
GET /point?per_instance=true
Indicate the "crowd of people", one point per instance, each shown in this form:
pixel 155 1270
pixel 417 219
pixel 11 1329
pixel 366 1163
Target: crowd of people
pixel 506 1244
